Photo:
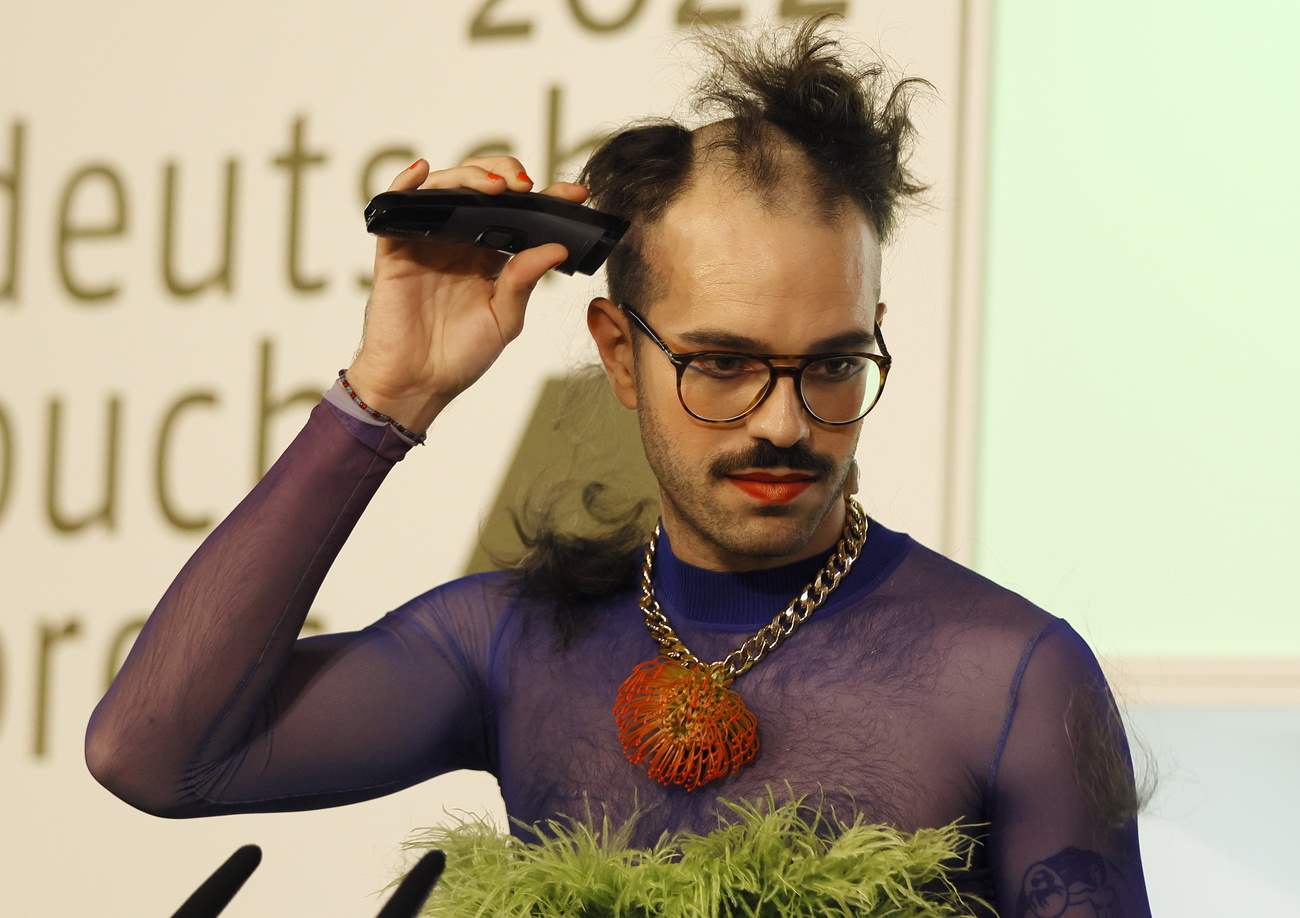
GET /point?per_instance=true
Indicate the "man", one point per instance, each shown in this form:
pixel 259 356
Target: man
pixel 744 327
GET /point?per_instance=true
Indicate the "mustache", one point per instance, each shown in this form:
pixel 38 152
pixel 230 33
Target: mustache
pixel 764 455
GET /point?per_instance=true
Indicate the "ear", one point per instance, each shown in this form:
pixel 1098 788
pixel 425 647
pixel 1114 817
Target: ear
pixel 881 309
pixel 609 329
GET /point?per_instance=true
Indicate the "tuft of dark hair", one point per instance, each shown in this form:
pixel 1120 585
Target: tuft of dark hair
pixel 636 173
pixel 1103 763
pixel 573 567
pixel 851 120
pixel 789 90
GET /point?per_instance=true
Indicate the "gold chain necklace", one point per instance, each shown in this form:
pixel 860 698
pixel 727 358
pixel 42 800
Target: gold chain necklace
pixel 676 713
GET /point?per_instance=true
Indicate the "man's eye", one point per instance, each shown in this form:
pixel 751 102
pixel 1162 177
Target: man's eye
pixel 836 369
pixel 726 366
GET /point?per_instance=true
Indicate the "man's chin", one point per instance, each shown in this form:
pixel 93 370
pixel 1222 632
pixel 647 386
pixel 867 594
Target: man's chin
pixel 775 532
pixel 765 533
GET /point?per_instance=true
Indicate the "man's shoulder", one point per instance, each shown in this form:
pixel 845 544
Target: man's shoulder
pixel 982 632
pixel 961 596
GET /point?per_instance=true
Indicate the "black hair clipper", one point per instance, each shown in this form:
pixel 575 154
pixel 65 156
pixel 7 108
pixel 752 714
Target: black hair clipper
pixel 508 222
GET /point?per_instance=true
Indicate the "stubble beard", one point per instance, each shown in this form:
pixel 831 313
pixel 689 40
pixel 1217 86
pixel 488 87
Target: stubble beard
pixel 691 490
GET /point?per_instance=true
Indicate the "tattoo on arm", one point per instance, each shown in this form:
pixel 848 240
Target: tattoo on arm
pixel 1070 884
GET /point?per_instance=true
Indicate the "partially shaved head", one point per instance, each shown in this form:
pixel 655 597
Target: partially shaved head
pixel 794 123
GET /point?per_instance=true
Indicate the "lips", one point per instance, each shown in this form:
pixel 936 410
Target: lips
pixel 772 487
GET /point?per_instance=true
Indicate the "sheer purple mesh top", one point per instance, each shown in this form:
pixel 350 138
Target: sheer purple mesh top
pixel 920 694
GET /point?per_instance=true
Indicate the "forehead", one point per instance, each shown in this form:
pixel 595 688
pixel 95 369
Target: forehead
pixel 783 278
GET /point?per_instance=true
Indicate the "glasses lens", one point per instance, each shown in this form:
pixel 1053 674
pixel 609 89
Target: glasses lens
pixel 718 387
pixel 838 389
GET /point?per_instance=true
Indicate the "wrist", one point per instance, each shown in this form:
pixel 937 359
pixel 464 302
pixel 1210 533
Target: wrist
pixel 388 411
pixel 415 407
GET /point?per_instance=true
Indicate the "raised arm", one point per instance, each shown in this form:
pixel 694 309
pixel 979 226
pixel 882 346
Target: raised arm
pixel 440 315
pixel 218 706
pixel 1064 822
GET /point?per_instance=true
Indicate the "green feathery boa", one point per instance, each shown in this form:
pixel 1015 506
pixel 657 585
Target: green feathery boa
pixel 765 861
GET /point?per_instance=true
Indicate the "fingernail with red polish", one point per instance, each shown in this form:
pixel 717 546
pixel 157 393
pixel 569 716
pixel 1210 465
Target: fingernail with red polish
pixel 414 164
pixel 523 177
pixel 493 176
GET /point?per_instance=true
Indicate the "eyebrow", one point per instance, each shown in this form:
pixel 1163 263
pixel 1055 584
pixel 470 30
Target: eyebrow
pixel 721 339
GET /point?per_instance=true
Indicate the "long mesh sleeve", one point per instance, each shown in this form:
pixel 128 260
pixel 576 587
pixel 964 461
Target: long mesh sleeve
pixel 219 708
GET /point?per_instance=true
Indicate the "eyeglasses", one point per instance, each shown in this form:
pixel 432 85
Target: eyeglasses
pixel 722 386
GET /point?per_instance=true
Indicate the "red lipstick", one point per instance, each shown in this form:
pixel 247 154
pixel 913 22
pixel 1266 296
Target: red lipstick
pixel 772 488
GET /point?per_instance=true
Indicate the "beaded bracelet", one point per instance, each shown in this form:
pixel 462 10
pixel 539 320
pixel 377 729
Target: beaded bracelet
pixel 379 416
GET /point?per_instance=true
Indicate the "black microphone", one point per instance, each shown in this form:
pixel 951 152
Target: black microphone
pixel 415 887
pixel 217 890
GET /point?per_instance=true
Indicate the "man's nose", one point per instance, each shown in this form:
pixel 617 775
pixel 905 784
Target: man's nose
pixel 781 419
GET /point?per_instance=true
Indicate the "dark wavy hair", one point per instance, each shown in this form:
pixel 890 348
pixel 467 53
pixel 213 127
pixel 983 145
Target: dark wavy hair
pixel 571 569
pixel 804 127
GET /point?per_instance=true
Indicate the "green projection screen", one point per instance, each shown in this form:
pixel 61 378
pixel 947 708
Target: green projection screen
pixel 1140 438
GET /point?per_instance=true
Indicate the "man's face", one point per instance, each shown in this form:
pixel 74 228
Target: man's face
pixel 766 489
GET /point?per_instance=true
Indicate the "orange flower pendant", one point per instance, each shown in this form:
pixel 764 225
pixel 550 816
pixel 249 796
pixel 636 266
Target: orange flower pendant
pixel 684 723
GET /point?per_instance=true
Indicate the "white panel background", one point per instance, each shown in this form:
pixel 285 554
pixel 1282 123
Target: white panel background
pixel 136 85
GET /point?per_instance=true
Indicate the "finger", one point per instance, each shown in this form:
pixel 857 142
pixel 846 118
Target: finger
pixel 517 280
pixel 410 177
pixel 568 190
pixel 509 168
pixel 476 177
